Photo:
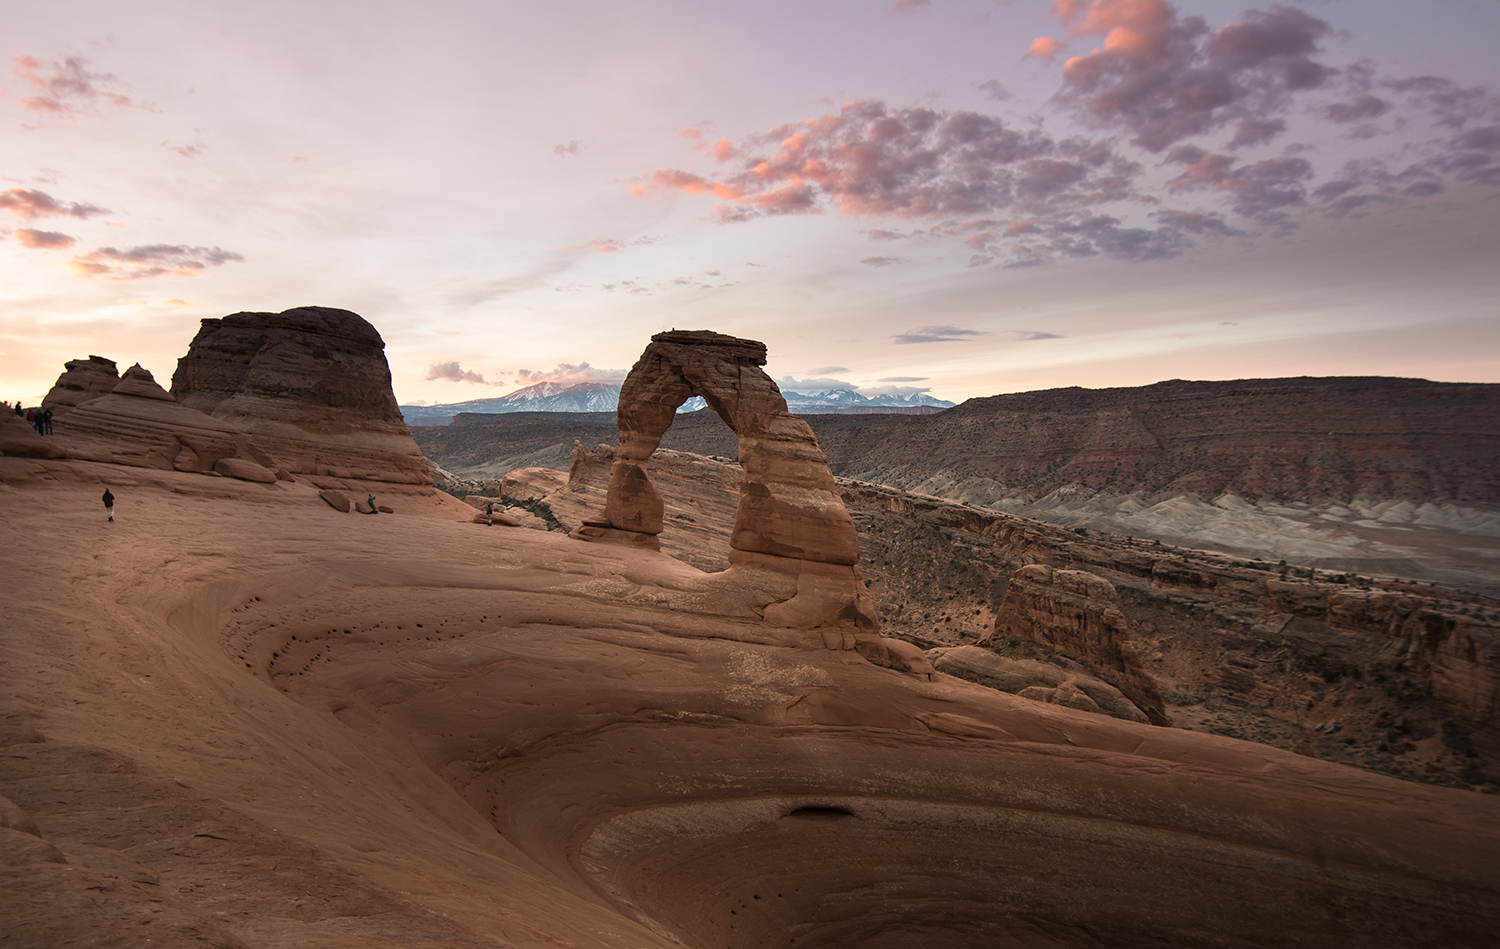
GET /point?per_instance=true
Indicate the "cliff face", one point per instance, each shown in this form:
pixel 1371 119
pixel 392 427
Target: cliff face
pixel 1304 439
pixel 311 384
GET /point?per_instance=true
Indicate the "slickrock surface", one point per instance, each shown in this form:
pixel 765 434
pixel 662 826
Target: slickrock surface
pixel 81 381
pixel 790 521
pixel 22 441
pixel 311 385
pixel 413 731
pixel 1249 650
pixel 1076 614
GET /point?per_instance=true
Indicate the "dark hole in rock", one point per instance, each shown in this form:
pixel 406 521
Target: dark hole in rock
pixel 821 813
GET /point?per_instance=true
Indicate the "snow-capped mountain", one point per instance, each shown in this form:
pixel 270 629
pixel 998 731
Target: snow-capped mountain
pixel 542 397
pixel 605 396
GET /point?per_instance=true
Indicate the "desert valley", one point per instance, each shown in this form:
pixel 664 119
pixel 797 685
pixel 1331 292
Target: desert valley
pixel 1194 664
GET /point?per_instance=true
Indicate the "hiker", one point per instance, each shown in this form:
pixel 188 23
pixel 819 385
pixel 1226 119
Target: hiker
pixel 31 419
pixel 47 421
pixel 109 504
pixel 20 411
pixel 373 508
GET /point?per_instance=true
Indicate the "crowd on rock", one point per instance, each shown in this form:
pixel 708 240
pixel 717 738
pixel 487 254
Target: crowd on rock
pixel 39 419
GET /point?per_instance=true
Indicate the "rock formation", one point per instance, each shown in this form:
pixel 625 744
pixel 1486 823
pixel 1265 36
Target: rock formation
pixel 1040 681
pixel 1076 613
pixel 20 440
pixel 311 385
pixel 82 380
pixel 139 424
pixel 790 520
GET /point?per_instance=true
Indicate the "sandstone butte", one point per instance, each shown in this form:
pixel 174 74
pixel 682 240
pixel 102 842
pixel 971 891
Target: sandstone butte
pixel 239 717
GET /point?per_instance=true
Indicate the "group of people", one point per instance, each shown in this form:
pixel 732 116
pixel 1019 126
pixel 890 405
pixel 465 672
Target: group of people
pixel 39 419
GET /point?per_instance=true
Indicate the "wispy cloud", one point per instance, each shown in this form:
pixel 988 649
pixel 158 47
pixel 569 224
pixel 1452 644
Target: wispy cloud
pixel 567 373
pixel 1027 335
pixel 903 379
pixel 66 89
pixel 151 260
pixel 880 261
pixel 29 204
pixel 910 7
pixel 936 334
pixel 43 240
pixel 453 372
pixel 612 245
pixel 568 148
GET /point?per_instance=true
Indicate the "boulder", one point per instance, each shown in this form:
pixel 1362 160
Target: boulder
pixel 337 500
pixel 245 470
pixel 311 385
pixel 83 380
pixel 1075 613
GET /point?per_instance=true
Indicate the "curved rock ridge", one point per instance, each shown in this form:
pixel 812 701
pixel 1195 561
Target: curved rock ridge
pixel 139 424
pixel 790 520
pixel 313 387
pixel 1076 612
pixel 83 380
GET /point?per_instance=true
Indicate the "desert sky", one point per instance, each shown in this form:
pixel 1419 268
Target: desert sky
pixel 962 198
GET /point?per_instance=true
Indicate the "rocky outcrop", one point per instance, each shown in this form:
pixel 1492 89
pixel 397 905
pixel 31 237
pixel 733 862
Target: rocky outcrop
pixel 1076 613
pixel 20 440
pixel 139 424
pixel 1039 681
pixel 311 385
pixel 83 380
pixel 790 520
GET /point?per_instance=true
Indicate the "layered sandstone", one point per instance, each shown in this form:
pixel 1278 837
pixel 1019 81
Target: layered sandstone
pixel 82 381
pixel 1077 614
pixel 311 385
pixel 790 520
pixel 139 424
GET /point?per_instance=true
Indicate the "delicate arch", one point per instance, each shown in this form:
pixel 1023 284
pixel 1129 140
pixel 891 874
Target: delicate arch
pixel 789 506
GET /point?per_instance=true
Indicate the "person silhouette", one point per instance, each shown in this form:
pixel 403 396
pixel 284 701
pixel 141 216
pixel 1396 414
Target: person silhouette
pixel 109 504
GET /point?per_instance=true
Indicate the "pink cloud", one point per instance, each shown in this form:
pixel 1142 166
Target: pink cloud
pixel 29 204
pixel 150 260
pixel 569 373
pixel 1043 47
pixel 612 245
pixel 1164 78
pixel 43 240
pixel 65 89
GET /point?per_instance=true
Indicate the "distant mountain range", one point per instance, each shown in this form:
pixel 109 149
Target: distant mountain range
pixel 605 396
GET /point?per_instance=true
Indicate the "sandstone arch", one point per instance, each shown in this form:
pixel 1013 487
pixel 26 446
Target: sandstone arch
pixel 790 521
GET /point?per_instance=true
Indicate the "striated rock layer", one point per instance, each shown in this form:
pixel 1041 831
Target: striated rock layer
pixel 790 520
pixel 311 385
pixel 82 380
pixel 1077 614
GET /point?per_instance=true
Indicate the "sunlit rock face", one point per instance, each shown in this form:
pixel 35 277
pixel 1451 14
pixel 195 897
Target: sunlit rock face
pixel 790 521
pixel 311 385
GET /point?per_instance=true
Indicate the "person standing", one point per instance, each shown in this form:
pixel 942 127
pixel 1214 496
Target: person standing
pixel 47 421
pixel 109 504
